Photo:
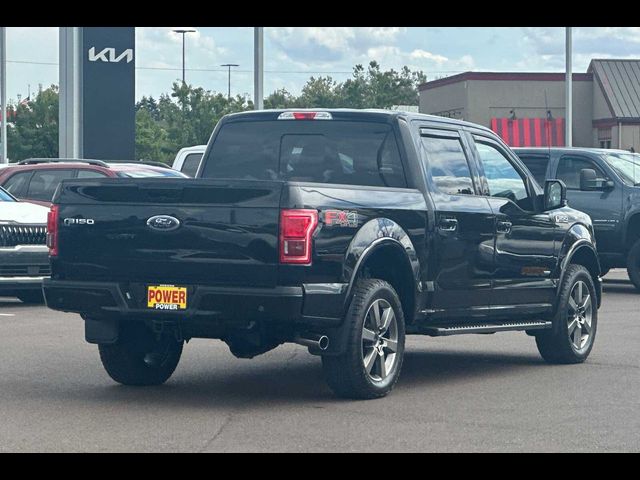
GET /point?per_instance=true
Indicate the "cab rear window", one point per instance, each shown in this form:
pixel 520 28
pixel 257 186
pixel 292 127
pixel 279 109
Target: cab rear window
pixel 334 152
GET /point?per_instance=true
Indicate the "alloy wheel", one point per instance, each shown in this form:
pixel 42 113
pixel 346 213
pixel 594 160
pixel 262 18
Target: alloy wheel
pixel 379 340
pixel 579 316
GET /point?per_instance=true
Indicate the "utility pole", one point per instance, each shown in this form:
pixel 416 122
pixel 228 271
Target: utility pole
pixel 229 65
pixel 258 67
pixel 3 93
pixel 568 91
pixel 183 31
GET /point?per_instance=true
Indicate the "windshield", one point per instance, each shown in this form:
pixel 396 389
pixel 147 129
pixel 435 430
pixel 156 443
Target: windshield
pixel 627 165
pixel 5 197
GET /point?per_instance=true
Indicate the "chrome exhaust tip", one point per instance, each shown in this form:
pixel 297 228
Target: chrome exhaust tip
pixel 321 342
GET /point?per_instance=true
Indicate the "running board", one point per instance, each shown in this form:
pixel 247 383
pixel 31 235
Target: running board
pixel 484 328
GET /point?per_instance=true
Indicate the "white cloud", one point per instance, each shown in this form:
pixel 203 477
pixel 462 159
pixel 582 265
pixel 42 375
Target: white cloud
pixel 325 45
pixel 420 54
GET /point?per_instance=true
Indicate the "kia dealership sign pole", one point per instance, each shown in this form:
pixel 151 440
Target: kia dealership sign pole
pixel 69 113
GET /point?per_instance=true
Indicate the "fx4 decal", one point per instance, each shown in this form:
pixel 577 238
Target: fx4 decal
pixel 340 218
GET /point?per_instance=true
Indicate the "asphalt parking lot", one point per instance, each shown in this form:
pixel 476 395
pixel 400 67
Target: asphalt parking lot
pixel 466 393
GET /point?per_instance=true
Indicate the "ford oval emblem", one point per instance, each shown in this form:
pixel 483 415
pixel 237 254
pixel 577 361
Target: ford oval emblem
pixel 163 223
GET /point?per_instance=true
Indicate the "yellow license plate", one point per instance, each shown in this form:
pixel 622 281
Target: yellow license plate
pixel 166 297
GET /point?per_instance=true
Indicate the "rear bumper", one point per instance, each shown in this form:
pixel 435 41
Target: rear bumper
pixel 22 268
pixel 18 284
pixel 313 304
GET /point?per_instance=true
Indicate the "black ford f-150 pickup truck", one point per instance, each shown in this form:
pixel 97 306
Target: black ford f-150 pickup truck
pixel 342 230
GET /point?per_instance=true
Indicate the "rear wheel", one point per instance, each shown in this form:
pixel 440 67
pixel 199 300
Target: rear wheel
pixel 574 330
pixel 371 365
pixel 139 357
pixel 633 264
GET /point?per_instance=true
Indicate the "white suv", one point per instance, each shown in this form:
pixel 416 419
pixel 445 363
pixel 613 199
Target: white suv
pixel 24 257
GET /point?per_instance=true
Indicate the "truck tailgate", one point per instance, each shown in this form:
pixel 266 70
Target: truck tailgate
pixel 226 231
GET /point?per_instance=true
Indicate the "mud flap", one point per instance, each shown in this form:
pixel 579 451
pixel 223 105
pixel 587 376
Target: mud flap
pixel 104 330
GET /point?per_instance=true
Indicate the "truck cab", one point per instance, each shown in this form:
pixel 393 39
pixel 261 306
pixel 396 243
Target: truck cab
pixel 605 184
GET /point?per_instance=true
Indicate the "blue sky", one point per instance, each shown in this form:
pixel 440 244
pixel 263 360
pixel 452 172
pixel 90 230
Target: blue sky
pixel 293 54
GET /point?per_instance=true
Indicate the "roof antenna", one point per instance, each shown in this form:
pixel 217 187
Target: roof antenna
pixel 546 124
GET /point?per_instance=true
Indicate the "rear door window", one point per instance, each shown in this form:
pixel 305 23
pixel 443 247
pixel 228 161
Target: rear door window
pixel 321 151
pixel 17 183
pixel 537 165
pixel 191 163
pixel 44 183
pixel 447 164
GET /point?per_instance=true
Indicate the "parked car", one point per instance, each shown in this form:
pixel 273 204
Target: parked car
pixel 36 179
pixel 604 184
pixel 188 160
pixel 24 257
pixel 341 230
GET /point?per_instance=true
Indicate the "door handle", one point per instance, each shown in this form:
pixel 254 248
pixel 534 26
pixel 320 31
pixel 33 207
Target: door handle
pixel 447 224
pixel 503 226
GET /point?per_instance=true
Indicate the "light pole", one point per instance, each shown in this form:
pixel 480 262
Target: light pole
pixel 229 65
pixel 183 31
pixel 568 90
pixel 3 93
pixel 258 67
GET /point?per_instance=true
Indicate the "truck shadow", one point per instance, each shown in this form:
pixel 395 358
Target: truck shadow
pixel 303 382
pixel 617 285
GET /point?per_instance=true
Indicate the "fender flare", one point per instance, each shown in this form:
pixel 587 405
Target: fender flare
pixel 581 244
pixel 625 226
pixel 373 235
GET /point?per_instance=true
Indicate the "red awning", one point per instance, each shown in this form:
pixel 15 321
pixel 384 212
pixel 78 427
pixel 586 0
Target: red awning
pixel 530 132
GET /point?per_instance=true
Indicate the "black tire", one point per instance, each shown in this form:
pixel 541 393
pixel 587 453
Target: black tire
pixel 557 345
pixel 346 374
pixel 139 358
pixel 32 297
pixel 633 264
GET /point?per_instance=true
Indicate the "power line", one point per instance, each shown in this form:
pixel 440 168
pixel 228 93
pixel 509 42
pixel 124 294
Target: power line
pixel 225 71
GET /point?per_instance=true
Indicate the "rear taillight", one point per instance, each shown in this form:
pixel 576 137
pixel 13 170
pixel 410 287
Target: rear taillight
pixel 296 230
pixel 52 231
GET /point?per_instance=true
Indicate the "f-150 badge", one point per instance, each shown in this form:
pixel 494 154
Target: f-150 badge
pixel 340 218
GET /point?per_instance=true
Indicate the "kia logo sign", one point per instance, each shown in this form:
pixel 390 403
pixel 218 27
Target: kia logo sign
pixel 109 55
pixel 163 223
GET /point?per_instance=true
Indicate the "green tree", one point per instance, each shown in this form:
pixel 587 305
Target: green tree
pixel 280 99
pixel 354 91
pixel 321 92
pixel 152 140
pixel 34 132
pixel 185 117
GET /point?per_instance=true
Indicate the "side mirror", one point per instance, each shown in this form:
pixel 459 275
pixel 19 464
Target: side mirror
pixel 555 194
pixel 590 181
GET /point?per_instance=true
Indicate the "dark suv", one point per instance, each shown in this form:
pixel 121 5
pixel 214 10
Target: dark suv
pixel 36 179
pixel 341 230
pixel 604 184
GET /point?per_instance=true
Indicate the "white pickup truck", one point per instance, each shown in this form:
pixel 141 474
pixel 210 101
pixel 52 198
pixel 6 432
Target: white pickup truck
pixel 188 160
